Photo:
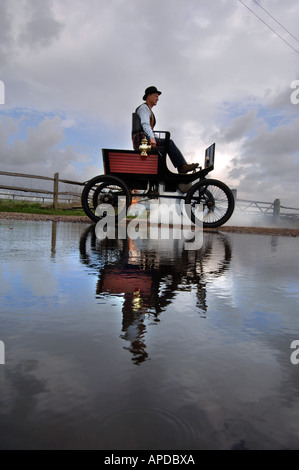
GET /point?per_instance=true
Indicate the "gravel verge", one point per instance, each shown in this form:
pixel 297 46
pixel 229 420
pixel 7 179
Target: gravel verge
pixel 287 232
pixel 44 217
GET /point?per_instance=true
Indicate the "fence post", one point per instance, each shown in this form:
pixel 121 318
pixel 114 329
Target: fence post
pixel 55 192
pixel 276 209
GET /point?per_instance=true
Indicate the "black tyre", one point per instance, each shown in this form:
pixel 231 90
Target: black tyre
pixel 210 203
pixel 105 196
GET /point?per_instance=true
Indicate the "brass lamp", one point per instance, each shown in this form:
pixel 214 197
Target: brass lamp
pixel 144 148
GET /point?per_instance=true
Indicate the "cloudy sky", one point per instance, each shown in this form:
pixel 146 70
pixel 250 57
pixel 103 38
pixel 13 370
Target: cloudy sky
pixel 228 70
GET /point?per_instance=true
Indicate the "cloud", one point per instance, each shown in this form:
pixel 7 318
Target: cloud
pixel 239 127
pixel 267 162
pixel 5 31
pixel 40 149
pixel 40 28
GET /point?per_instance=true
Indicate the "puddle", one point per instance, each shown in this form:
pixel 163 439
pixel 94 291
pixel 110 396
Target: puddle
pixel 122 344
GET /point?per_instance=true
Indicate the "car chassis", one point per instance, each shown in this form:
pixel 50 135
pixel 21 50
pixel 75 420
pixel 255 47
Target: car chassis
pixel 132 174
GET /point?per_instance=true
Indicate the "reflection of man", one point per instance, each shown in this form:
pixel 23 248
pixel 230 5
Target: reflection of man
pixel 133 325
pixel 144 127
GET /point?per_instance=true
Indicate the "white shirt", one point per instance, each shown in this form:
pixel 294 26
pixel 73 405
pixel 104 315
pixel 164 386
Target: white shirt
pixel 144 112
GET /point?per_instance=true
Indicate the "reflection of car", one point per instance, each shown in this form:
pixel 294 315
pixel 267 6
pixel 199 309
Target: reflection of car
pixel 125 267
pixel 129 173
pixel 128 279
pixel 147 276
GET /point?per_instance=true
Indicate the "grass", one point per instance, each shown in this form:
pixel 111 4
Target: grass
pixel 26 207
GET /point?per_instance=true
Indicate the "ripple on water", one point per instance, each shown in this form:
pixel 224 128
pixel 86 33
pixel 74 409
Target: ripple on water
pixel 138 428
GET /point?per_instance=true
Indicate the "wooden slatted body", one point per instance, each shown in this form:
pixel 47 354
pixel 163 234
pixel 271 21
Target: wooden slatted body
pixel 133 163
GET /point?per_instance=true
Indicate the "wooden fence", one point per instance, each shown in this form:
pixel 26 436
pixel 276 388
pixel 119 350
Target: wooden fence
pixel 273 209
pixel 45 194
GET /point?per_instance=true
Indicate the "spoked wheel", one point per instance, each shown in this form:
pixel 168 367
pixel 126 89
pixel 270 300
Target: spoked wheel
pixel 210 203
pixel 105 196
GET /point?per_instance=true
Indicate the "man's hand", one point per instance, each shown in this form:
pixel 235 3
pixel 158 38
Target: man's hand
pixel 153 143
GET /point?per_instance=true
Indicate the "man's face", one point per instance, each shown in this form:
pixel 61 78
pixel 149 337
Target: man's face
pixel 153 99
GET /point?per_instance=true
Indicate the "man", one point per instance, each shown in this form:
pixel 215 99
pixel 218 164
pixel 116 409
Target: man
pixel 145 127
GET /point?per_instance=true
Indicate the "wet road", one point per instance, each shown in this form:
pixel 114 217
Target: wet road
pixel 142 344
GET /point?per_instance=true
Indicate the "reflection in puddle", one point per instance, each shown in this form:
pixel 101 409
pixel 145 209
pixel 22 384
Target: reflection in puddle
pixel 142 344
pixel 148 275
